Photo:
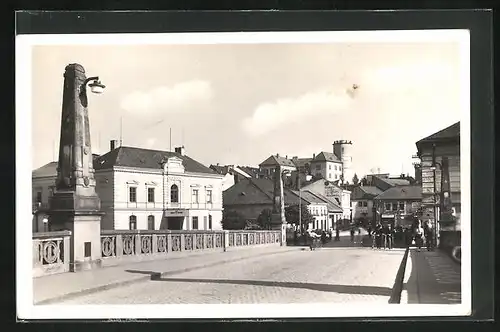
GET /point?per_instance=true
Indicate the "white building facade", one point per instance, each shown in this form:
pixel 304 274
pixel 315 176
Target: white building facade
pixel 148 189
pixel 179 194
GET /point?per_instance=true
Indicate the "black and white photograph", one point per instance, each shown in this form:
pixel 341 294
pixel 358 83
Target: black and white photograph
pixel 245 174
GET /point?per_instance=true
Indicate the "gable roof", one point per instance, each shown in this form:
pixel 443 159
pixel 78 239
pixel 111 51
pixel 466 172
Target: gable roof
pixel 451 132
pixel 47 170
pixel 365 192
pixel 256 191
pixel 126 156
pixel 275 160
pixel 254 172
pixel 222 170
pixel 326 156
pixel 401 193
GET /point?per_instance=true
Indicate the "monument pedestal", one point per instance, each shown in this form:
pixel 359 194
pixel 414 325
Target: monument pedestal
pixel 68 213
pixel 277 223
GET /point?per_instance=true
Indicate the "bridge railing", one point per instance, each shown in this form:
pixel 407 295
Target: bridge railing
pixel 126 245
pixel 245 238
pixel 51 251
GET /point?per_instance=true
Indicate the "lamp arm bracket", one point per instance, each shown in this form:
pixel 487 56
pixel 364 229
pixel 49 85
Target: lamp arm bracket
pixel 93 78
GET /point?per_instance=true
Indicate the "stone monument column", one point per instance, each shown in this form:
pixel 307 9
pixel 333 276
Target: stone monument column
pixel 75 205
pixel 278 217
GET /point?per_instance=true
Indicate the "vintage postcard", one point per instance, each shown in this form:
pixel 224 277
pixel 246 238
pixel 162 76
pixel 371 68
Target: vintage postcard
pixel 243 175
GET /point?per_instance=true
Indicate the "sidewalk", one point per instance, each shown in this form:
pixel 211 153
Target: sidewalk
pixel 431 277
pixel 56 287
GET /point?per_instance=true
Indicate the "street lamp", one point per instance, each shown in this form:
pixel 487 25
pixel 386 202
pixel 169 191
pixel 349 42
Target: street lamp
pixel 96 86
pixel 308 178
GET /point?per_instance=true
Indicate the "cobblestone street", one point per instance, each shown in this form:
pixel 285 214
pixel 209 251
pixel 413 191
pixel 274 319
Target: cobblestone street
pixel 325 275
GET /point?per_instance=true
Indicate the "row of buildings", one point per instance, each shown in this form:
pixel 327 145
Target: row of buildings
pixel 149 189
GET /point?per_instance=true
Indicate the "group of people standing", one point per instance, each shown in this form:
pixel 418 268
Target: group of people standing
pixel 382 236
pixel 385 236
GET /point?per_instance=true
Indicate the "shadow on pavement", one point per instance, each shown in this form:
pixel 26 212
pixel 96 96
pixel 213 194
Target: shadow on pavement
pixel 347 289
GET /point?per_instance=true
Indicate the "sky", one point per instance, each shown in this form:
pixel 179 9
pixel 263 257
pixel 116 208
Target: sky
pixel 240 103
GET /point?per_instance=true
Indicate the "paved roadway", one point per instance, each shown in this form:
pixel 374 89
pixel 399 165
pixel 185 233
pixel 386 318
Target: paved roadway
pixel 324 275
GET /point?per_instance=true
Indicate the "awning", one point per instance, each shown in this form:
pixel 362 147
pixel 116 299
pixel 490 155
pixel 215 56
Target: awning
pixel 387 216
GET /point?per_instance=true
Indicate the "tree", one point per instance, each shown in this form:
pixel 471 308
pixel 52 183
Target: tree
pixel 355 179
pixel 264 218
pixel 233 220
pixel 364 181
pixel 292 215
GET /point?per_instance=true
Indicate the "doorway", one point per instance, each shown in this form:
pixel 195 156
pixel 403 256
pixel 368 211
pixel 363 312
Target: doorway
pixel 175 223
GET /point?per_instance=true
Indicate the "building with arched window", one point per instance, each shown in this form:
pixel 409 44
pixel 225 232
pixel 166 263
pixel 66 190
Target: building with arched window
pixel 150 189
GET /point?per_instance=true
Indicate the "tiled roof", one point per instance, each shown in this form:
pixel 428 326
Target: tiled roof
pixel 143 158
pixel 250 170
pixel 401 193
pixel 309 197
pixel 397 182
pixel 371 190
pixel 46 170
pixel 277 160
pixel 256 191
pixel 223 170
pixel 452 131
pixel 326 156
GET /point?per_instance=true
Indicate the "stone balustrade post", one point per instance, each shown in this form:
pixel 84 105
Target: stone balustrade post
pixel 119 245
pixel 183 242
pixel 137 238
pixel 154 243
pixel 169 241
pixel 66 249
pixel 225 240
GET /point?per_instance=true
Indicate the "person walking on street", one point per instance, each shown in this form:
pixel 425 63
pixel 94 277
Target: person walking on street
pixel 419 234
pixel 429 236
pixel 337 233
pixel 390 238
pixel 352 234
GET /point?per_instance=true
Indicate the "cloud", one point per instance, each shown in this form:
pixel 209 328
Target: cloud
pixel 176 98
pixel 271 115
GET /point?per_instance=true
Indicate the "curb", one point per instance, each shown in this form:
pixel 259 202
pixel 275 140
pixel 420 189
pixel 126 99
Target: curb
pixel 398 283
pixel 152 276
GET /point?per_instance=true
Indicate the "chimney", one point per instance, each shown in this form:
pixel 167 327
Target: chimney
pixel 277 155
pixel 113 144
pixel 286 156
pixel 180 150
pixel 314 155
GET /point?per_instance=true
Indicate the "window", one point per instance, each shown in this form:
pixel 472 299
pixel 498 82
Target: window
pixel 209 221
pixel 195 222
pixel 388 206
pixel 336 176
pixel 329 166
pixel 151 222
pixel 335 168
pixel 174 194
pixel 132 194
pixel 132 222
pixel 209 196
pixel 329 175
pixel 38 196
pixel 401 205
pixel 394 206
pixel 205 222
pixel 365 204
pixel 195 196
pixel 318 175
pixel 151 195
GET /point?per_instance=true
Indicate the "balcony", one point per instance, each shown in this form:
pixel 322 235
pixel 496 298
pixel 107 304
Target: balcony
pixel 167 205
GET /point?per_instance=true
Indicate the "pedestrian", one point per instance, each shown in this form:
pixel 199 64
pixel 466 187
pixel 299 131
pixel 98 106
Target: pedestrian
pixel 337 233
pixel 323 237
pixel 390 238
pixel 378 235
pixel 429 236
pixel 352 234
pixel 419 234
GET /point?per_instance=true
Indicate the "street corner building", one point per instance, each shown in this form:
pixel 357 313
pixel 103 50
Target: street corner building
pixel 439 172
pixel 143 189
